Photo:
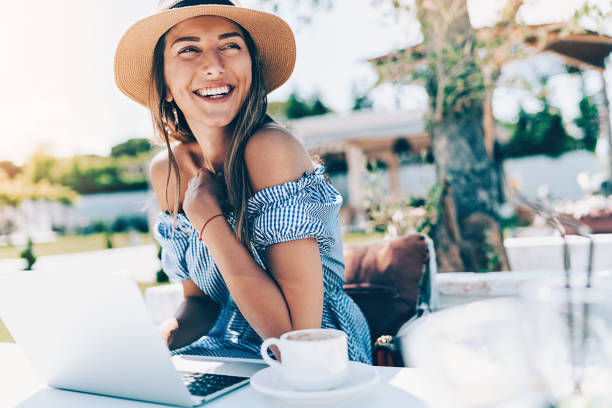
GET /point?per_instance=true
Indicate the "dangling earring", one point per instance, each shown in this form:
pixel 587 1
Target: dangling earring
pixel 176 120
pixel 164 120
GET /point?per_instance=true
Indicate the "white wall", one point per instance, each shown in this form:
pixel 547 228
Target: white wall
pixel 108 206
pixel 529 173
pixel 558 174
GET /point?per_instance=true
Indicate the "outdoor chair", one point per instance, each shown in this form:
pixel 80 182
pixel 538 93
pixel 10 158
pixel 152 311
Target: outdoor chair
pixel 393 283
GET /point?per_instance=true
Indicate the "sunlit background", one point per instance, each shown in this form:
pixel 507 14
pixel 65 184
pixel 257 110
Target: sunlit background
pixel 57 70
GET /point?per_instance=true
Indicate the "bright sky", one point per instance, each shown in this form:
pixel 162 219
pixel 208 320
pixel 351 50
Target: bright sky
pixel 57 66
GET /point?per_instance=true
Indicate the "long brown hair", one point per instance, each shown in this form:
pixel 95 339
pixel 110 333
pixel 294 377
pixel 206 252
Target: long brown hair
pixel 251 115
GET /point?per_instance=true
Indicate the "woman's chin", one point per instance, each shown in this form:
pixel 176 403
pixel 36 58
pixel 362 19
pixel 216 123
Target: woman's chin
pixel 220 122
pixel 216 122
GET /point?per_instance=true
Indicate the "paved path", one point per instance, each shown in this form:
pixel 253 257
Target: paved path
pixel 140 262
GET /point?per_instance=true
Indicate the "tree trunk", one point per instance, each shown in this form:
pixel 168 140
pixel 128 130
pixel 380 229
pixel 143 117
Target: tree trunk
pixel 468 234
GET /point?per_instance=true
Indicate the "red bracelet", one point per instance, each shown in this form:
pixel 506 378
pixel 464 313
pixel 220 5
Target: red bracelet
pixel 206 223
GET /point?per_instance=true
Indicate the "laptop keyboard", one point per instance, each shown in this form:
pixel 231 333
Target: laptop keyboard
pixel 203 384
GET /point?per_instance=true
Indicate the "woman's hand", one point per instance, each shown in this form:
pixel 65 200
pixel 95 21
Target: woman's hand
pixel 167 329
pixel 204 197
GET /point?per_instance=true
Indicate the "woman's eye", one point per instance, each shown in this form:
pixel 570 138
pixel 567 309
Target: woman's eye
pixel 232 46
pixel 187 50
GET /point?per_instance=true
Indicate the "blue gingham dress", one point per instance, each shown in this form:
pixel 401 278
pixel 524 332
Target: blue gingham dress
pixel 306 208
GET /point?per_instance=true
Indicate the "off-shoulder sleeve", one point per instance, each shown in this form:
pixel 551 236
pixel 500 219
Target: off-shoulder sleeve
pixel 306 208
pixel 174 241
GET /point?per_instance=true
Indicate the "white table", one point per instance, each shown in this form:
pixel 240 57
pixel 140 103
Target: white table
pixel 398 387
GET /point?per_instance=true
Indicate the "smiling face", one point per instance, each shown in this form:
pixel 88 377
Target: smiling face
pixel 207 67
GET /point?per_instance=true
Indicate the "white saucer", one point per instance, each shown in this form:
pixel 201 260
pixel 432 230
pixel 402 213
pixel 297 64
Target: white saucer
pixel 361 376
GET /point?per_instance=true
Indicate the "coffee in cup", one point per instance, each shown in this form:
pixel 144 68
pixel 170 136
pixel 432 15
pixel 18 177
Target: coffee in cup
pixel 312 359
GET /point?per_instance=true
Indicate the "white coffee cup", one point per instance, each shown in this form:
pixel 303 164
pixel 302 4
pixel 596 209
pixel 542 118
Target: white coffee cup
pixel 313 359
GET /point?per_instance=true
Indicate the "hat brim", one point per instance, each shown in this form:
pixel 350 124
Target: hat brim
pixel 134 56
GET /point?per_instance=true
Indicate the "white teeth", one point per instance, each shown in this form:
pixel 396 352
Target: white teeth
pixel 214 92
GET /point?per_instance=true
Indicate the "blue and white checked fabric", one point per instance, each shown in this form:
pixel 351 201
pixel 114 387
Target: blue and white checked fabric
pixel 306 208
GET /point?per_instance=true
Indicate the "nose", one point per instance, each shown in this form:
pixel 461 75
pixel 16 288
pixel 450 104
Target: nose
pixel 212 65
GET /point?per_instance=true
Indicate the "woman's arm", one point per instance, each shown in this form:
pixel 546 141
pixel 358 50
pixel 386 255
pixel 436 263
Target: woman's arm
pixel 194 317
pixel 290 297
pixel 274 157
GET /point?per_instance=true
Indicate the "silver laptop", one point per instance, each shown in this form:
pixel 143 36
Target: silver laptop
pixel 92 333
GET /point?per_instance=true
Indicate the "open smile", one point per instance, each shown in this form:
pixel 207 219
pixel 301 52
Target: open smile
pixel 215 93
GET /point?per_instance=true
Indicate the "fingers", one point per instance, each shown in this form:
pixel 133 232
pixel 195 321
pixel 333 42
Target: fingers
pixel 167 329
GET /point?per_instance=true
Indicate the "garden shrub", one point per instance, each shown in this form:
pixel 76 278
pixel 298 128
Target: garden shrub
pixel 131 222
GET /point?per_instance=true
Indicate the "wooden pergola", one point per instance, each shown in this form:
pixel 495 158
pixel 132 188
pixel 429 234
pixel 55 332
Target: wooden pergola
pixel 583 51
pixel 589 51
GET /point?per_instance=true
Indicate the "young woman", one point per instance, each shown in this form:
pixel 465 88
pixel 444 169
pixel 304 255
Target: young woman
pixel 249 224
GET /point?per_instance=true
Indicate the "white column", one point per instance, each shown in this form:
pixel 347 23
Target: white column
pixel 393 166
pixel 356 163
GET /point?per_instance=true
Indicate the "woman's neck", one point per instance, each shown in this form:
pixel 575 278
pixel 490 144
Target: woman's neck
pixel 213 143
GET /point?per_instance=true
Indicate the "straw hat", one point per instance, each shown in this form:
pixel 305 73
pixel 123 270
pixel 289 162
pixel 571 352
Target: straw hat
pixel 134 57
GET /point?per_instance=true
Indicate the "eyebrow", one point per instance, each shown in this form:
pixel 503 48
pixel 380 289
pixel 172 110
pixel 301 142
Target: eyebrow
pixel 180 39
pixel 196 39
pixel 228 35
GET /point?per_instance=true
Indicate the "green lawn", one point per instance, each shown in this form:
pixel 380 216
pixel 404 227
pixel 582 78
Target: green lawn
pixel 5 336
pixel 75 243
pixel 81 243
pixel 361 237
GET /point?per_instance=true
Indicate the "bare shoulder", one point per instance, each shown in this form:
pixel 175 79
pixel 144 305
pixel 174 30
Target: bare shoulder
pixel 274 156
pixel 159 165
pixel 162 185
